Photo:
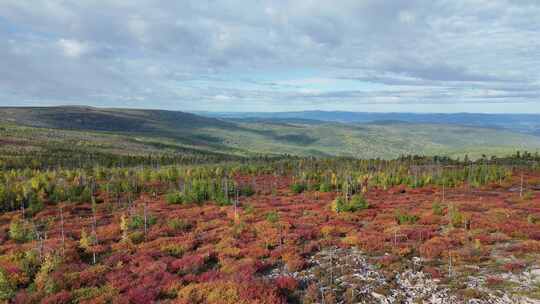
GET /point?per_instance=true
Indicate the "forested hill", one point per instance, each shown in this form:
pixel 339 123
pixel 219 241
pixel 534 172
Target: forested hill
pixel 99 119
pixel 158 132
pixel 526 123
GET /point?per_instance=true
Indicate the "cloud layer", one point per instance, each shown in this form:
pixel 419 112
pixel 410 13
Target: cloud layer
pixel 270 55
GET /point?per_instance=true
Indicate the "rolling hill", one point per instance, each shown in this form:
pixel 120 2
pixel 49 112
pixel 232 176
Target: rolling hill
pixel 524 123
pixel 157 131
pixel 117 120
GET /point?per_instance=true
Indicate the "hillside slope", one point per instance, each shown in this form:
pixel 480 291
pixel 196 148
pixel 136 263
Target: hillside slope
pixel 386 140
pixel 524 123
pixel 98 119
pixel 159 131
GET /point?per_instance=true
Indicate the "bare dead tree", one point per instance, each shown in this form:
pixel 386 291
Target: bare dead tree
pixel 449 264
pixel 145 219
pixel 22 208
pixel 62 230
pixel 226 189
pixel 235 209
pixel 94 232
pixel 443 191
pixel 521 186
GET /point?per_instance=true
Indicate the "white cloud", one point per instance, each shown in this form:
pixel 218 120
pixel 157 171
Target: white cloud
pixel 437 51
pixel 406 17
pixel 221 97
pixel 308 81
pixel 73 48
pixel 139 28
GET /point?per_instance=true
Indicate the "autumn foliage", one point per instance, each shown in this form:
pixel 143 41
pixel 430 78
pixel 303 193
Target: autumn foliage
pixel 211 234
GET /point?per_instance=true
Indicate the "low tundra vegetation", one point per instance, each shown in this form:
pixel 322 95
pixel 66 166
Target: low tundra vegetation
pixel 213 233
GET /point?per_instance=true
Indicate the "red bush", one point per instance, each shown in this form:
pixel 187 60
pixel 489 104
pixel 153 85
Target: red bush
pixel 529 246
pixel 63 297
pixel 191 263
pixel 419 234
pixel 92 276
pixel 492 281
pixel 435 247
pixel 371 241
pixel 514 267
pixel 142 295
pixel 286 283
pixel 388 259
pixel 433 272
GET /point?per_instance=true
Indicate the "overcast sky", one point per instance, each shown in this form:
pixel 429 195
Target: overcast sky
pixel 254 55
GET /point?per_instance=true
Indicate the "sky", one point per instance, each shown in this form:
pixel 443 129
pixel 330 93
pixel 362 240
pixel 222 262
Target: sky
pixel 257 55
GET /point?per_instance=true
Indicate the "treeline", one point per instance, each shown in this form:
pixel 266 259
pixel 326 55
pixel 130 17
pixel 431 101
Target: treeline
pixel 29 189
pixel 66 157
pixel 22 152
pixel 324 179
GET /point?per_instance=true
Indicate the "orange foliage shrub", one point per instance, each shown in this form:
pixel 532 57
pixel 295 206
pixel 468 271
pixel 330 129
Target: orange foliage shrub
pixel 458 237
pixel 109 232
pixel 293 261
pixel 518 229
pixel 430 219
pixel 286 283
pixel 228 292
pixel 371 241
pixel 350 240
pixel 63 297
pixel 469 255
pixel 387 260
pixel 256 252
pixel 268 233
pixel 191 263
pixel 312 294
pixel 93 276
pixel 435 247
pixel 529 246
pixel 514 267
pixel 433 272
pixel 493 281
pixel 402 250
pixel 418 233
pixel 492 238
pixel 329 231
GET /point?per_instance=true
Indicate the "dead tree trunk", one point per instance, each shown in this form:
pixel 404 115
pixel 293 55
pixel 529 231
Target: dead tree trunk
pixel 145 220
pixel 521 186
pixel 62 231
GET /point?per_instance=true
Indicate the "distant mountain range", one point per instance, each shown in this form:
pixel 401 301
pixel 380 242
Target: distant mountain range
pixel 361 135
pixel 525 123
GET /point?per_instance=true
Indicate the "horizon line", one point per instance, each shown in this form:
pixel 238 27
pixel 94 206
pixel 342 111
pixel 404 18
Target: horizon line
pixel 260 112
